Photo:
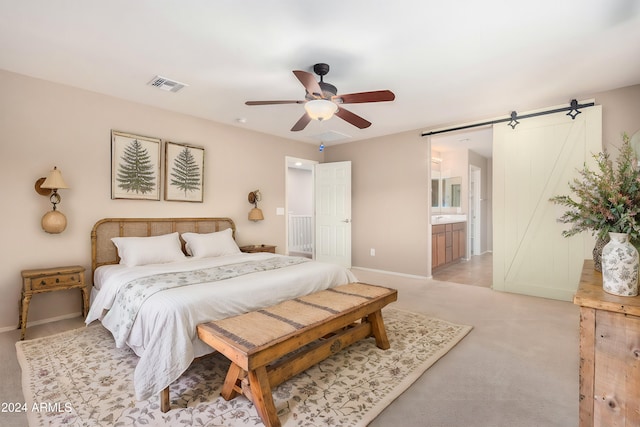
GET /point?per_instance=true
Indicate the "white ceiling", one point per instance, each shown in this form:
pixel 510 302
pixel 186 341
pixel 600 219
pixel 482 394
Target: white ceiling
pixel 446 61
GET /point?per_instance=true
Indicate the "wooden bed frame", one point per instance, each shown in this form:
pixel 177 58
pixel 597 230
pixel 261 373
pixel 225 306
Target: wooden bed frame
pixel 103 251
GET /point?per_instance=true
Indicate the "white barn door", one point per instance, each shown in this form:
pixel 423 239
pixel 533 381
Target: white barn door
pixel 532 163
pixel 333 213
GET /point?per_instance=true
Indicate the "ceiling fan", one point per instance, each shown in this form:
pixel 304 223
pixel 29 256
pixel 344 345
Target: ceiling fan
pixel 322 100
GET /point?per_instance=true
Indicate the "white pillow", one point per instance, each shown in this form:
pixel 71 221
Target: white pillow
pixel 135 251
pixel 211 244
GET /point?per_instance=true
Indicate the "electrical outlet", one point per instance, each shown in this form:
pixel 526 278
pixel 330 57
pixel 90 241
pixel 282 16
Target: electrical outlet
pixel 373 252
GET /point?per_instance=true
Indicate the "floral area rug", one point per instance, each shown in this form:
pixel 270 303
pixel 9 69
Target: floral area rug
pixel 79 378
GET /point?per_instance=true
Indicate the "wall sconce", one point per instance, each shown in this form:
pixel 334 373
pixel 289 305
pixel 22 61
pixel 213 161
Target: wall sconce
pixel 255 214
pixel 53 222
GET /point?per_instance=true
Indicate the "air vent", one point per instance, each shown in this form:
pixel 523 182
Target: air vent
pixel 331 136
pixel 166 84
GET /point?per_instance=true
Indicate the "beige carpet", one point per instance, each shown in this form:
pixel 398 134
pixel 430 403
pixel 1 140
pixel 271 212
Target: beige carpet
pixel 78 378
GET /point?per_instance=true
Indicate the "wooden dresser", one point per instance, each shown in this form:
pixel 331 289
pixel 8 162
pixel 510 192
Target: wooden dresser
pixel 609 354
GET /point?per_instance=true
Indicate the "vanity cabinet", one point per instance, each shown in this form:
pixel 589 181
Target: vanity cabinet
pixel 448 243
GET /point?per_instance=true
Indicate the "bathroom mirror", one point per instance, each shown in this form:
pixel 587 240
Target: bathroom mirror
pixel 435 189
pixel 451 192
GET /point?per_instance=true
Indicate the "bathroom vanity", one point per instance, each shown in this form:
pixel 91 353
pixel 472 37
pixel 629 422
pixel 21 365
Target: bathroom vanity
pixel 448 239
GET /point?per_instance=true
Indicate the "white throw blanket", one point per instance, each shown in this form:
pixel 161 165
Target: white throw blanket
pixel 163 333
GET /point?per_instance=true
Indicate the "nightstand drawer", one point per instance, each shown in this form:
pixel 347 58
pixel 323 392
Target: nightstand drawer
pixel 55 281
pixel 258 248
pixel 53 278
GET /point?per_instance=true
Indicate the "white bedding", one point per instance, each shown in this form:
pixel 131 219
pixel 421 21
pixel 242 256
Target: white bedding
pixel 164 332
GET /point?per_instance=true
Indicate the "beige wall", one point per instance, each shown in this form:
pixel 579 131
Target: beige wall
pixel 620 113
pixel 390 201
pixel 45 124
pixel 300 191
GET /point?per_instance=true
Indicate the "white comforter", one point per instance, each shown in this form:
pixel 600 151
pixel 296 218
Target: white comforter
pixel 164 332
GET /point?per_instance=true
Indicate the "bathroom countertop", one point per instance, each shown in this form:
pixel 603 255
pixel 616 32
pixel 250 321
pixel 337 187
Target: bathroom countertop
pixel 447 219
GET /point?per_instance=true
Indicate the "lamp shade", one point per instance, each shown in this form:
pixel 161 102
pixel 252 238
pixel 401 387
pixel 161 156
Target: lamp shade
pixel 320 109
pixel 54 180
pixel 255 214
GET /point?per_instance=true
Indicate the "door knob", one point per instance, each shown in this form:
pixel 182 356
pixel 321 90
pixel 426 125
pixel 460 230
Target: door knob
pixel 346 220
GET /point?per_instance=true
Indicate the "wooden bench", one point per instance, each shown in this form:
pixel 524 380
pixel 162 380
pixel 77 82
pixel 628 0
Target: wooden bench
pixel 259 344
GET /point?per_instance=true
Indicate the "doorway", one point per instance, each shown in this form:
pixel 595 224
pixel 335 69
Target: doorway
pixel 318 206
pixel 299 183
pixel 468 154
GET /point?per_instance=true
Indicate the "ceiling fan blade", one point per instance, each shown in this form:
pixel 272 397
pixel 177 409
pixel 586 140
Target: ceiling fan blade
pixel 273 102
pixel 352 118
pixel 302 123
pixel 309 82
pixel 375 96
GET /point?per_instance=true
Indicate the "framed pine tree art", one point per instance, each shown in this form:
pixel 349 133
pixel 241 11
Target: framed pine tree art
pixel 183 172
pixel 135 166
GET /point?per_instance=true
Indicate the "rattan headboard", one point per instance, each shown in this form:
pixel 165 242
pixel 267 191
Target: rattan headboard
pixel 103 251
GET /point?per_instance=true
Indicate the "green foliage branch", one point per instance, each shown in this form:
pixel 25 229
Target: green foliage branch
pixel 607 199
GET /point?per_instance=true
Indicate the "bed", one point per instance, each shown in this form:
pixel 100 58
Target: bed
pixel 167 275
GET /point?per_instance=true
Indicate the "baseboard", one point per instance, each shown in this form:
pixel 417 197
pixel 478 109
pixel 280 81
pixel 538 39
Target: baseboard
pixel 42 322
pixel 393 273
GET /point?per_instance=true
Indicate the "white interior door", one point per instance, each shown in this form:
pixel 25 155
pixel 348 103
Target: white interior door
pixel 333 213
pixel 532 163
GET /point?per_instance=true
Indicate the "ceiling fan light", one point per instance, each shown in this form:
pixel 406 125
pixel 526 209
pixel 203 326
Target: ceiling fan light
pixel 320 109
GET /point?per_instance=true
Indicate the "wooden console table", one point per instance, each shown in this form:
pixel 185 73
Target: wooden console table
pixel 609 354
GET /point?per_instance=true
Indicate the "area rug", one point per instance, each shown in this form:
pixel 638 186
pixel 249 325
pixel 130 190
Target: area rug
pixel 79 378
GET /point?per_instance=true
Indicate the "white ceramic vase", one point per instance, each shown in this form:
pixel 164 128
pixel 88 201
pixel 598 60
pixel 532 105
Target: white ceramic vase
pixel 620 266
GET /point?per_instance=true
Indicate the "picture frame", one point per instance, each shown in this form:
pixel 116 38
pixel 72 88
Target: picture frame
pixel 135 166
pixel 183 172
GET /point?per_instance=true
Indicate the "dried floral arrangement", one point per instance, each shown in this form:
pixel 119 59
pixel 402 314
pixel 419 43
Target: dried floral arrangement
pixel 607 199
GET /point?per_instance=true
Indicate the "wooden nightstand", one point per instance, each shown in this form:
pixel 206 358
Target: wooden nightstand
pixel 258 248
pixel 48 280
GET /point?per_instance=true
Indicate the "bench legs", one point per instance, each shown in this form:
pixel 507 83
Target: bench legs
pixel 256 384
pixel 232 386
pixel 262 397
pixel 256 387
pixel 378 331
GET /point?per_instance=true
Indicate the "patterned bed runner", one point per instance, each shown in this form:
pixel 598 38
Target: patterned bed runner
pixel 131 296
